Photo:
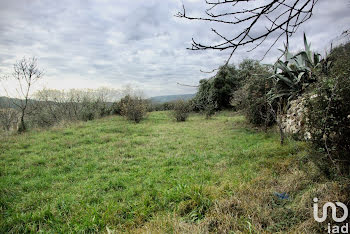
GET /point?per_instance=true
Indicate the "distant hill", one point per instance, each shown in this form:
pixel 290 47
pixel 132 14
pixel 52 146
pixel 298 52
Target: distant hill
pixel 169 98
pixel 6 102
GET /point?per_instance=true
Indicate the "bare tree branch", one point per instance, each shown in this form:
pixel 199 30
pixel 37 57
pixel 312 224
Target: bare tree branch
pixel 279 17
pixel 194 86
pixel 209 71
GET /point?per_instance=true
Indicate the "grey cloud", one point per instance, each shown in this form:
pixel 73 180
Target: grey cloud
pixel 137 42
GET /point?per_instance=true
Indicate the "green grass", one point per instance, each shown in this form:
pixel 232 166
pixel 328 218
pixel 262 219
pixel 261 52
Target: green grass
pixel 116 174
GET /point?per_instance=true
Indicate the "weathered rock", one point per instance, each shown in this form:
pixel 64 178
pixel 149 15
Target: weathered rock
pixel 294 121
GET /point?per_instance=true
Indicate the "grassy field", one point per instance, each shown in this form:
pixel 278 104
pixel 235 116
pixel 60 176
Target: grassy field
pixel 157 176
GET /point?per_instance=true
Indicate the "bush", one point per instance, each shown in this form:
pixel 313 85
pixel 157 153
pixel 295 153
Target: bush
pixel 55 106
pixel 9 119
pixel 329 110
pixel 162 106
pixel 181 110
pixel 133 108
pixel 155 106
pixel 210 109
pixel 116 108
pixel 42 118
pixel 251 97
pixel 87 115
pixel 103 110
pixel 217 90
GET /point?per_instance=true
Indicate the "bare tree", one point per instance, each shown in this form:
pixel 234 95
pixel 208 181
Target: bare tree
pixel 255 21
pixel 26 73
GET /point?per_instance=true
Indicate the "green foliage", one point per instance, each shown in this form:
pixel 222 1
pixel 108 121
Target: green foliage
pixel 116 108
pixel 166 106
pixel 203 96
pixel 215 93
pixel 225 82
pixel 161 106
pixel 307 58
pixel 210 109
pixel 293 75
pixel 92 109
pixel 251 97
pixel 329 110
pixel 133 108
pixel 181 110
pixel 87 114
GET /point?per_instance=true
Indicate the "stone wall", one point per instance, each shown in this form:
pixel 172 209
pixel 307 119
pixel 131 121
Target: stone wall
pixel 294 121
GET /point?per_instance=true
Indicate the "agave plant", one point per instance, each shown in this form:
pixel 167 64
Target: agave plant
pixel 292 76
pixel 306 57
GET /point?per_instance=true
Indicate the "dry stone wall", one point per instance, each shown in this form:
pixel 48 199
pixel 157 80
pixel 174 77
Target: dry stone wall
pixel 294 121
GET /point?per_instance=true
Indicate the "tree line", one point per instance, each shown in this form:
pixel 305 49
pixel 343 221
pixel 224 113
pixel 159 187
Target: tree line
pixel 261 92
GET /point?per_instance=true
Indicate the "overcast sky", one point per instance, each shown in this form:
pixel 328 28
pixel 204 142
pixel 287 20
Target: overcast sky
pixel 88 44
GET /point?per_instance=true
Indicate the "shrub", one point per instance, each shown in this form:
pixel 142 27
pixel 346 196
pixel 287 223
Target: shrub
pixel 154 106
pixel 210 109
pixel 55 106
pixel 329 110
pixel 181 110
pixel 162 106
pixel 103 110
pixel 168 106
pixel 116 108
pixel 9 119
pixel 251 97
pixel 41 118
pixel 133 108
pixel 87 115
pixel 217 89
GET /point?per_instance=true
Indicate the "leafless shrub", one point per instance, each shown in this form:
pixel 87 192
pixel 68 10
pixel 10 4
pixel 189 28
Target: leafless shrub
pixel 54 106
pixel 9 119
